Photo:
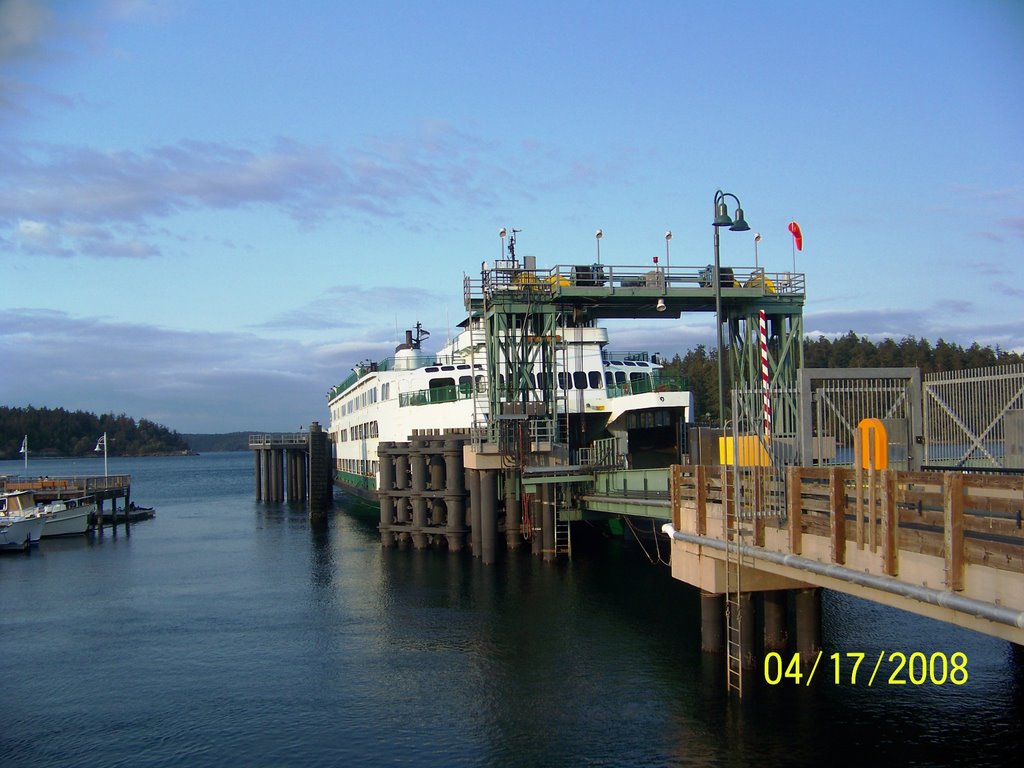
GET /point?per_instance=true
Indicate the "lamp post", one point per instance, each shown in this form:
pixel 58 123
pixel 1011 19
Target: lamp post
pixel 102 442
pixel 722 219
pixel 597 236
pixel 668 236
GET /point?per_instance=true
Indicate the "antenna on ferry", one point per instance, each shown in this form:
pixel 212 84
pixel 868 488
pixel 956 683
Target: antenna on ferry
pixel 512 244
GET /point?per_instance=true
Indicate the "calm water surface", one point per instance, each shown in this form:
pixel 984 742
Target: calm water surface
pixel 231 632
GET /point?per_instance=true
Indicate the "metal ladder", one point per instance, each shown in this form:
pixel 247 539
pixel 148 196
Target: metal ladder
pixel 563 531
pixel 478 356
pixel 733 567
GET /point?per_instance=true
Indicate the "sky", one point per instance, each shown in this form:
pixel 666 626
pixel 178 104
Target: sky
pixel 210 211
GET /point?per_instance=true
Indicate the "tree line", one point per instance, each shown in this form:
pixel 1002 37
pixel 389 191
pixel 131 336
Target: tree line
pixel 700 365
pixel 59 432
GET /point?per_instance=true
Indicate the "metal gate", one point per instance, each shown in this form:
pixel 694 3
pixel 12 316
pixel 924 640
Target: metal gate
pixel 833 401
pixel 975 418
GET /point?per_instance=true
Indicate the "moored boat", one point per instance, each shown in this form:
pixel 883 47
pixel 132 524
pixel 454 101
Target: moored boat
pixel 21 525
pixel 60 517
pixel 67 518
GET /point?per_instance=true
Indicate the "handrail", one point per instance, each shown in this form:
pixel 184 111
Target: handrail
pixel 280 439
pixel 508 279
pixel 645 384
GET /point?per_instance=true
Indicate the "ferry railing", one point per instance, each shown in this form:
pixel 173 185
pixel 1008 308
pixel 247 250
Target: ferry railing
pixel 510 277
pixel 602 453
pixel 448 394
pixel 647 384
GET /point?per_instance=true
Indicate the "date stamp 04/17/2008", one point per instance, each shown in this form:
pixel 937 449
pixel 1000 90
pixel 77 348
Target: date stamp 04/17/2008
pixel 856 668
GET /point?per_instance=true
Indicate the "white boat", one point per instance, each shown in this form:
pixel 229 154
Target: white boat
pixel 67 518
pixel 20 525
pixel 60 517
pixel 604 395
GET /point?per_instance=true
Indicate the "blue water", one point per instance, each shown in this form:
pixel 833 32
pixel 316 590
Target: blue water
pixel 231 632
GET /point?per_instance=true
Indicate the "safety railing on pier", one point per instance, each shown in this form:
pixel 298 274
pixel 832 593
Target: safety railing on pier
pixel 935 538
pixel 279 440
pixel 85 484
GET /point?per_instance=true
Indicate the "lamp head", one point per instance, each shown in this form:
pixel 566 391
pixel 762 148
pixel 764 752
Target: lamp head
pixel 660 306
pixel 722 215
pixel 502 232
pixel 739 225
pixel 599 234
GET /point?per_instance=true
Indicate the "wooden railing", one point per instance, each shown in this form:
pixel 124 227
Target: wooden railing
pixel 965 519
pixel 83 484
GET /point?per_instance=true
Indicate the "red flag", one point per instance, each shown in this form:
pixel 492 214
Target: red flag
pixel 798 236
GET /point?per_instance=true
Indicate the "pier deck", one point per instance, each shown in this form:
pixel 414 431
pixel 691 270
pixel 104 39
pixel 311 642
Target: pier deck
pixel 946 545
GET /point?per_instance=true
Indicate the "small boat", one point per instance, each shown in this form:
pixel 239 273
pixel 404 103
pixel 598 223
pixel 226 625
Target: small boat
pixel 133 515
pixel 20 526
pixel 18 532
pixel 67 518
pixel 60 517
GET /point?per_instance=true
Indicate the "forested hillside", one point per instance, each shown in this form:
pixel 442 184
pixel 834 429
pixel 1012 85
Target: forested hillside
pixel 58 432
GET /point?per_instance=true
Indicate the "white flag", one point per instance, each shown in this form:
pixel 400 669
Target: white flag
pixel 24 445
pixel 101 443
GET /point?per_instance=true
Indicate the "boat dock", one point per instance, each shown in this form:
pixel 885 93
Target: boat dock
pixel 294 467
pixel 101 488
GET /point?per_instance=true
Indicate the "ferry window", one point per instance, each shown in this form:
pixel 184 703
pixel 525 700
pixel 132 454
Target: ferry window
pixel 447 367
pixel 432 369
pixel 579 379
pixel 563 380
pixel 595 379
pixel 620 377
pixel 634 376
pixel 533 380
pixel 609 379
pixel 463 367
pixel 438 383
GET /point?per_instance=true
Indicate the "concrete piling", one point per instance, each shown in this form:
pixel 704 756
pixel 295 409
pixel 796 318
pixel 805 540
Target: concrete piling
pixel 712 622
pixel 774 613
pixel 807 607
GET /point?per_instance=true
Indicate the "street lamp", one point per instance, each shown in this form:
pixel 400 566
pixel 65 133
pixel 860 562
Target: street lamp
pixel 668 236
pixel 722 219
pixel 102 443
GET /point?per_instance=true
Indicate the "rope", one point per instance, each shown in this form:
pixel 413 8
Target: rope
pixel 654 530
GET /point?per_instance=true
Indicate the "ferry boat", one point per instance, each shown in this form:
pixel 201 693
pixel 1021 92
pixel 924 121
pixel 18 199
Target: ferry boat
pixel 622 399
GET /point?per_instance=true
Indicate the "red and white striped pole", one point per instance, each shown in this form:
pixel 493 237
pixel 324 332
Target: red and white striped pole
pixel 762 332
